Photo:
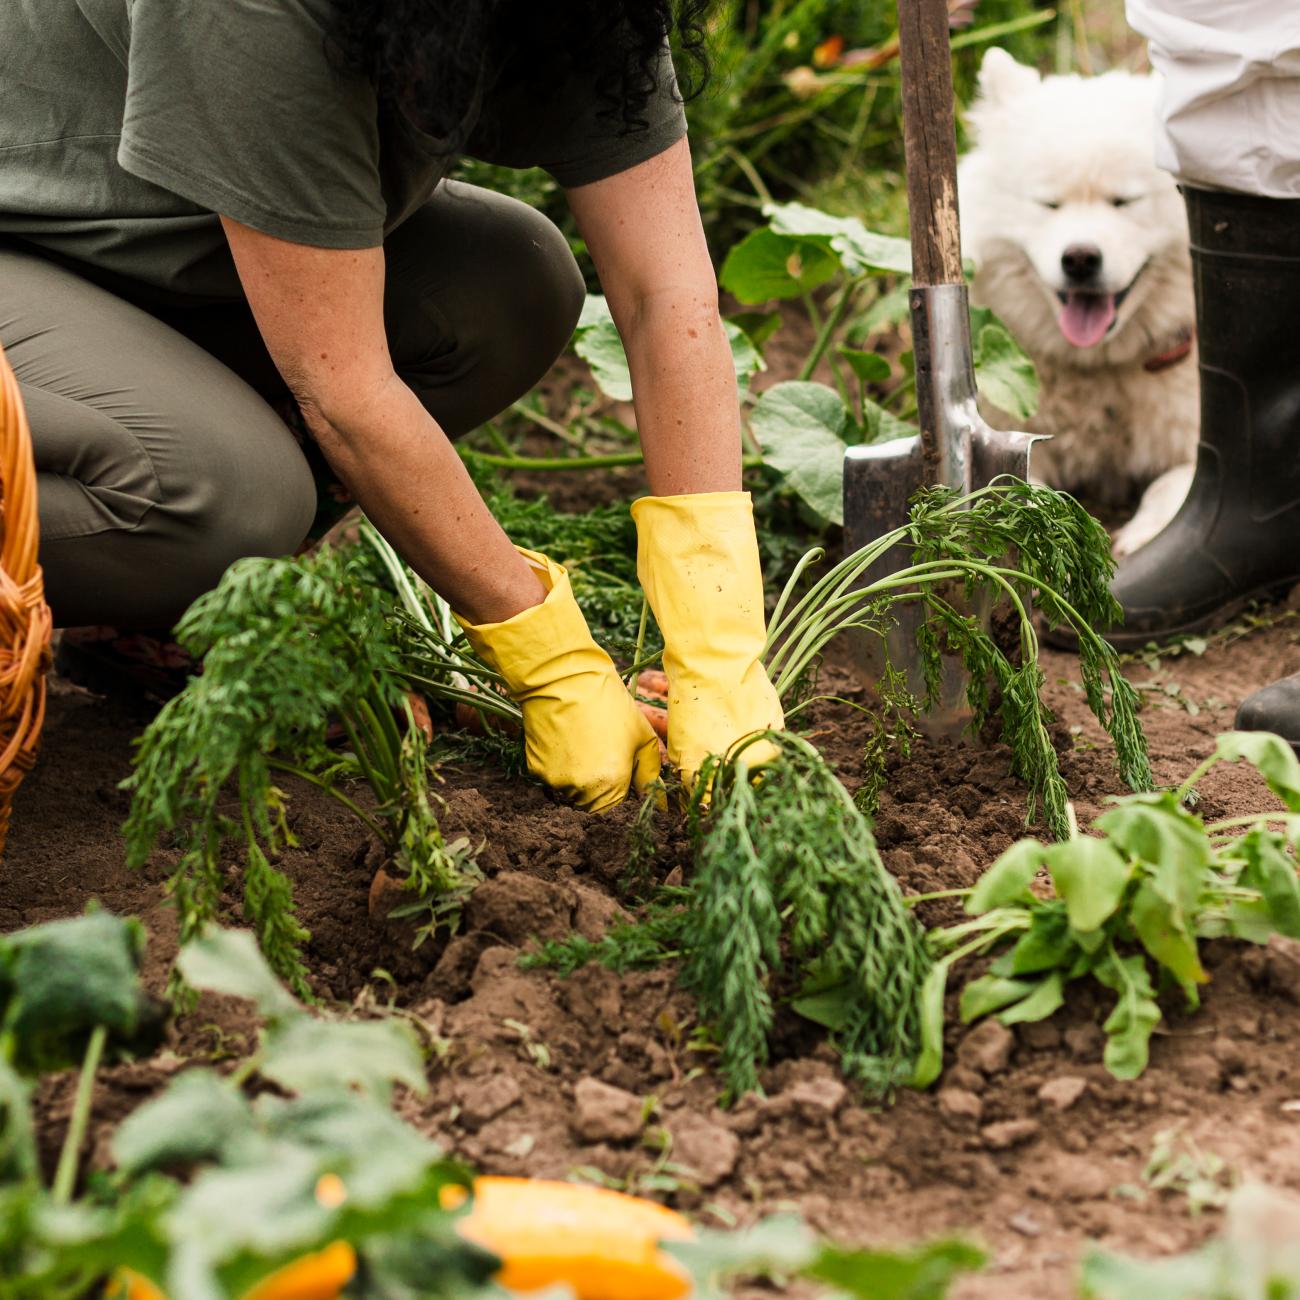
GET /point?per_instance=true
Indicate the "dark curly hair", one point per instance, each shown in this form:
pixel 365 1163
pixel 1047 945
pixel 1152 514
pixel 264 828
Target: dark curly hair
pixel 428 57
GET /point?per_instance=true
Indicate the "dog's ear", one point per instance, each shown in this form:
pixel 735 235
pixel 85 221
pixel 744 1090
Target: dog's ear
pixel 1002 78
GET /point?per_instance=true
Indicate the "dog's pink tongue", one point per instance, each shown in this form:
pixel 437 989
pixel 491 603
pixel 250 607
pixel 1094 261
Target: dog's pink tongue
pixel 1086 317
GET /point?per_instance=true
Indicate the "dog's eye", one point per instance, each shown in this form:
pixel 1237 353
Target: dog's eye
pixel 1050 203
pixel 1120 202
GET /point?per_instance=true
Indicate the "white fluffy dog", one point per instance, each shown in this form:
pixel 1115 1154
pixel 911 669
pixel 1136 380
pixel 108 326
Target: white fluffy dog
pixel 1080 247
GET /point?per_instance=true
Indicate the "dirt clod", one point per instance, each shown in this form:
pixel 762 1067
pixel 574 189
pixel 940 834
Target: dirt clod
pixel 816 1099
pixel 987 1047
pixel 1009 1133
pixel 603 1113
pixel 958 1104
pixel 482 1100
pixel 707 1149
pixel 1062 1092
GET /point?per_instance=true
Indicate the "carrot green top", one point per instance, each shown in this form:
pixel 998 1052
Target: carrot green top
pixel 126 126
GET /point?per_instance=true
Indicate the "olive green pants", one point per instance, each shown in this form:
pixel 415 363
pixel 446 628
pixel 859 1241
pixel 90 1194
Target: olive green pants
pixel 159 456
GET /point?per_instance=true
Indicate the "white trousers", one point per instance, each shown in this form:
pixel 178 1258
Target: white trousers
pixel 1230 91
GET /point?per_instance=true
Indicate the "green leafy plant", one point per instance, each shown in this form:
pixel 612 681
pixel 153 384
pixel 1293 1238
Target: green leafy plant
pixel 788 901
pixel 1255 1258
pixel 289 646
pixel 214 1190
pixel 782 1248
pixel 1062 566
pixel 834 266
pixel 1129 907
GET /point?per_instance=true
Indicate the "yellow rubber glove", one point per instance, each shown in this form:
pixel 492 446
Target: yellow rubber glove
pixel 697 558
pixel 583 735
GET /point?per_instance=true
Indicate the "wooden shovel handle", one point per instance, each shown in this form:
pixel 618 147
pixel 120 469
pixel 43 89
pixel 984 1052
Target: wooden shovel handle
pixel 930 137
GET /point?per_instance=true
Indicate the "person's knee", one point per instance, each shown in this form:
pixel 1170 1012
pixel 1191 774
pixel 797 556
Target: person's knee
pixel 504 312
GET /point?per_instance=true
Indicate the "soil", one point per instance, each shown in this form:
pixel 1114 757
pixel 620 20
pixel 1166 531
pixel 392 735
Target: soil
pixel 1026 1144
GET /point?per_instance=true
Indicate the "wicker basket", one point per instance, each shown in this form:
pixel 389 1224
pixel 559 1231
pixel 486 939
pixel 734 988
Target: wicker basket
pixel 25 623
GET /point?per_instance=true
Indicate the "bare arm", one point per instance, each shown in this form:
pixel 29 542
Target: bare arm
pixel 644 233
pixel 321 314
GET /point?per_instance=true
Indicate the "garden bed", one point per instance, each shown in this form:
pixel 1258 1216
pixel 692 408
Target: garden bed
pixel 1026 1144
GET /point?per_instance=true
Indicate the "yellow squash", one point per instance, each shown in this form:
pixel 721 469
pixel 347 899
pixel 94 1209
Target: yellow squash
pixel 602 1244
pixel 321 1276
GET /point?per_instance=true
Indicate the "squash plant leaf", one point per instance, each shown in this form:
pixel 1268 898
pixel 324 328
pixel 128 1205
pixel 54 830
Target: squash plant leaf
pixel 1271 870
pixel 197 1118
pixel 230 962
pixel 369 1055
pixel 860 250
pixel 868 367
pixel 801 428
pixel 766 265
pixel 1004 374
pixel 61 980
pixel 597 341
pixel 781 1244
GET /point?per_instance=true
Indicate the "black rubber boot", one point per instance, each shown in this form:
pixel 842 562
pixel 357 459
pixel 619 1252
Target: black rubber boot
pixel 1275 708
pixel 1237 537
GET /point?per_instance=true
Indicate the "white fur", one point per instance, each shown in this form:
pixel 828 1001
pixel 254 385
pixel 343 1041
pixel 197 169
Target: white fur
pixel 1079 144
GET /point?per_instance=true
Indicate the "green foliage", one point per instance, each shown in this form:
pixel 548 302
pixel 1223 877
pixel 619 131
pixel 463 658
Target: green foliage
pixel 1062 564
pixel 788 900
pixel 214 1190
pixel 1130 906
pixel 289 645
pixel 804 427
pixel 782 1248
pixel 1256 1258
pixel 597 342
pixel 61 980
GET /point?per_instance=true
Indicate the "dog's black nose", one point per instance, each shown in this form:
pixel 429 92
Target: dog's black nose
pixel 1081 262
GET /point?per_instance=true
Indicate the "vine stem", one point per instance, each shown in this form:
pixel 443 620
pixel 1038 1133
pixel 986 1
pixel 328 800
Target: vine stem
pixel 65 1176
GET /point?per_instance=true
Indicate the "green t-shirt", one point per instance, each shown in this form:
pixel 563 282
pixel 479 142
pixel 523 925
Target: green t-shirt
pixel 127 125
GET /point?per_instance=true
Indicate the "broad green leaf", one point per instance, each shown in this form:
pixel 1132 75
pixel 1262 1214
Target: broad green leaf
pixel 1046 999
pixel 371 1055
pixel 1004 374
pixel 929 1063
pixel 859 249
pixel 1046 945
pixel 230 962
pixel 881 425
pixel 596 340
pixel 767 265
pixel 601 347
pixel 801 428
pixel 1008 879
pixel 1272 871
pixel 1163 932
pixel 1154 830
pixel 759 326
pixel 1129 1026
pixel 1274 758
pixel 62 979
pixel 925 1273
pixel 1091 877
pixel 886 313
pixel 18 1161
pixel 781 1244
pixel 196 1118
pixel 991 993
pixel 869 367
